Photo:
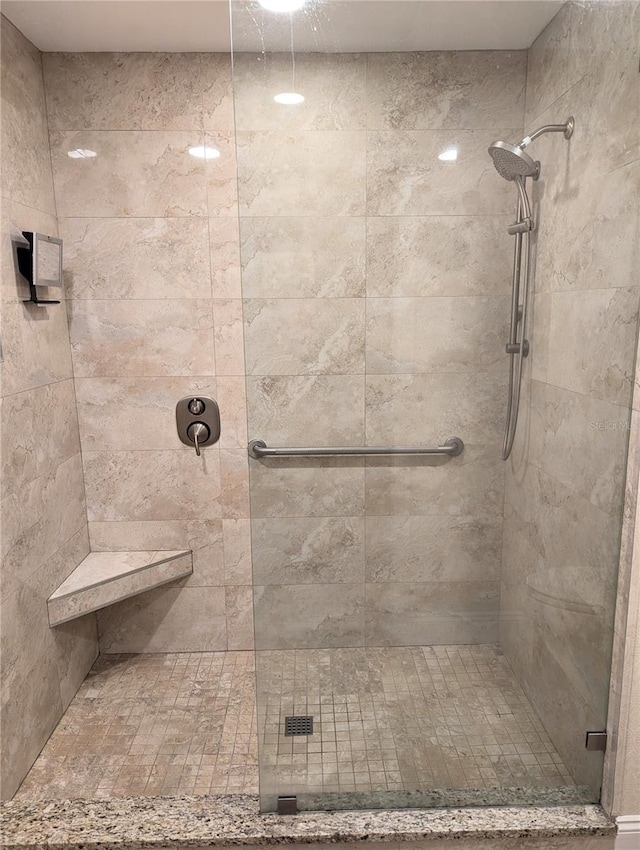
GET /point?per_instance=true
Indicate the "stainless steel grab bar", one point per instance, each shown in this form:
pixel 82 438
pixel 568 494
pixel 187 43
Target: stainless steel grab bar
pixel 259 449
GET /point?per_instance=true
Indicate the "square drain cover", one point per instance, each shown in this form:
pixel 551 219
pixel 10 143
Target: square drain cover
pixel 298 725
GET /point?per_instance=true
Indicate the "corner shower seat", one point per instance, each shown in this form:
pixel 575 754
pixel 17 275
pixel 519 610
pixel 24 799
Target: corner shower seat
pixel 103 578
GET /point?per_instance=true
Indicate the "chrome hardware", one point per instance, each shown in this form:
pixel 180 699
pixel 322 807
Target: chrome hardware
pixel 514 348
pixel 196 406
pixel 198 421
pixel 259 449
pixel 596 741
pixel 198 433
pixel 287 806
pixel 524 226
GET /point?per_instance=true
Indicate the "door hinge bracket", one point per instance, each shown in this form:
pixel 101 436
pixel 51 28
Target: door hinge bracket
pixel 287 806
pixel 596 741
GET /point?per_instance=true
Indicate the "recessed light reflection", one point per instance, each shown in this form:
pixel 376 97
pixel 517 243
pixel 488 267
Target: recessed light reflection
pixel 82 153
pixel 450 155
pixel 289 98
pixel 282 5
pixel 204 152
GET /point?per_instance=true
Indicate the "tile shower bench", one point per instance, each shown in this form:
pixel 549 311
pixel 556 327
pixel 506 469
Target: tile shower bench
pixel 103 578
pixel 233 821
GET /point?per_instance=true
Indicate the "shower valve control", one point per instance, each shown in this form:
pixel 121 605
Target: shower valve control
pixel 196 406
pixel 198 422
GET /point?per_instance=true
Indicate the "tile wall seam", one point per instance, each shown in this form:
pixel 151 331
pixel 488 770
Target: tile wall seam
pixel 214 347
pixel 504 480
pixel 237 217
pixel 619 683
pixel 581 394
pixel 365 536
pixel 64 306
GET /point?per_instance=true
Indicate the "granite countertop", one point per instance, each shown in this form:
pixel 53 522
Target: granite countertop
pixel 234 820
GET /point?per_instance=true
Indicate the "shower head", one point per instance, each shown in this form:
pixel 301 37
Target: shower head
pixel 511 162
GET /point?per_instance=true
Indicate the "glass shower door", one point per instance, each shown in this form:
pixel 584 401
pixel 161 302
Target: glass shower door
pixel 376 268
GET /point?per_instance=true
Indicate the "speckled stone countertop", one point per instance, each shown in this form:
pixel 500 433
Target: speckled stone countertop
pixel 234 821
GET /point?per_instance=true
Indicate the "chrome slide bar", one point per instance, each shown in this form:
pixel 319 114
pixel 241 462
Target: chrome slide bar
pixel 259 449
pixel 518 345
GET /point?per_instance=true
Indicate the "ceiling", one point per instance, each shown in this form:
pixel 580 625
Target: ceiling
pixel 322 25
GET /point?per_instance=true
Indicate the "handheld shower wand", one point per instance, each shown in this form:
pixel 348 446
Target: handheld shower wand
pixel 512 163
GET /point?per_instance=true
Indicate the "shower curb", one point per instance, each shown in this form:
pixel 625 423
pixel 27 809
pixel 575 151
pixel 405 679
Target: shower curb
pixel 234 820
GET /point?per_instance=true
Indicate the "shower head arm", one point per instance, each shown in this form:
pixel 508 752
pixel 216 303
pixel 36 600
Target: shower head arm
pixel 566 128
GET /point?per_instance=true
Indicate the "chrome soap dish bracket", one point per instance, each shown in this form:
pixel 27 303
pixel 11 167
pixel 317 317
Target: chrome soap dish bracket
pixel 198 421
pixel 40 264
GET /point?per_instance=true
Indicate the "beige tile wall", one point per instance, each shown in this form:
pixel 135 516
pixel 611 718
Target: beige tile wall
pixel 621 784
pixel 346 217
pixel 565 480
pixel 44 525
pixel 376 283
pixel 155 314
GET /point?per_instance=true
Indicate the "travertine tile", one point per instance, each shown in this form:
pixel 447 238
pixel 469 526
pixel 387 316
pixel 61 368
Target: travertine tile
pixel 438 255
pixel 471 484
pixel 587 221
pixel 222 176
pixel 305 616
pixel 237 551
pixel 39 688
pixel 405 176
pixel 26 165
pixel 383 715
pixel 551 66
pixel 148 258
pixel 114 412
pixel 39 431
pixel 606 39
pixel 283 487
pixel 406 614
pixel 135 173
pixel 297 257
pixel 435 89
pixel 124 91
pixel 141 338
pixel 234 483
pixel 152 485
pixel 41 516
pixel 429 409
pixel 202 537
pixel 301 173
pixel 333 84
pixel 585 323
pixel 432 548
pixel 232 401
pixel 167 619
pixel 286 410
pixel 308 550
pixel 224 251
pixel 575 426
pixel 217 94
pixel 29 645
pixel 239 611
pixel 304 336
pixel 228 336
pixel 43 513
pixel 438 334
pixel 104 578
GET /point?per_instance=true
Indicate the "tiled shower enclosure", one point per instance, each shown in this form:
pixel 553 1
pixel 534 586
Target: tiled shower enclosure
pixel 338 275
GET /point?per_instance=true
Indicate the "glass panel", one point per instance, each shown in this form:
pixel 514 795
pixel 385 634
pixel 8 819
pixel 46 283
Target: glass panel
pixel 445 622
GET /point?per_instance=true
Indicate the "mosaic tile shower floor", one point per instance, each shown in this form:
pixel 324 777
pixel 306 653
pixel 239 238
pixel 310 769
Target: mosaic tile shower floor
pixel 385 720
